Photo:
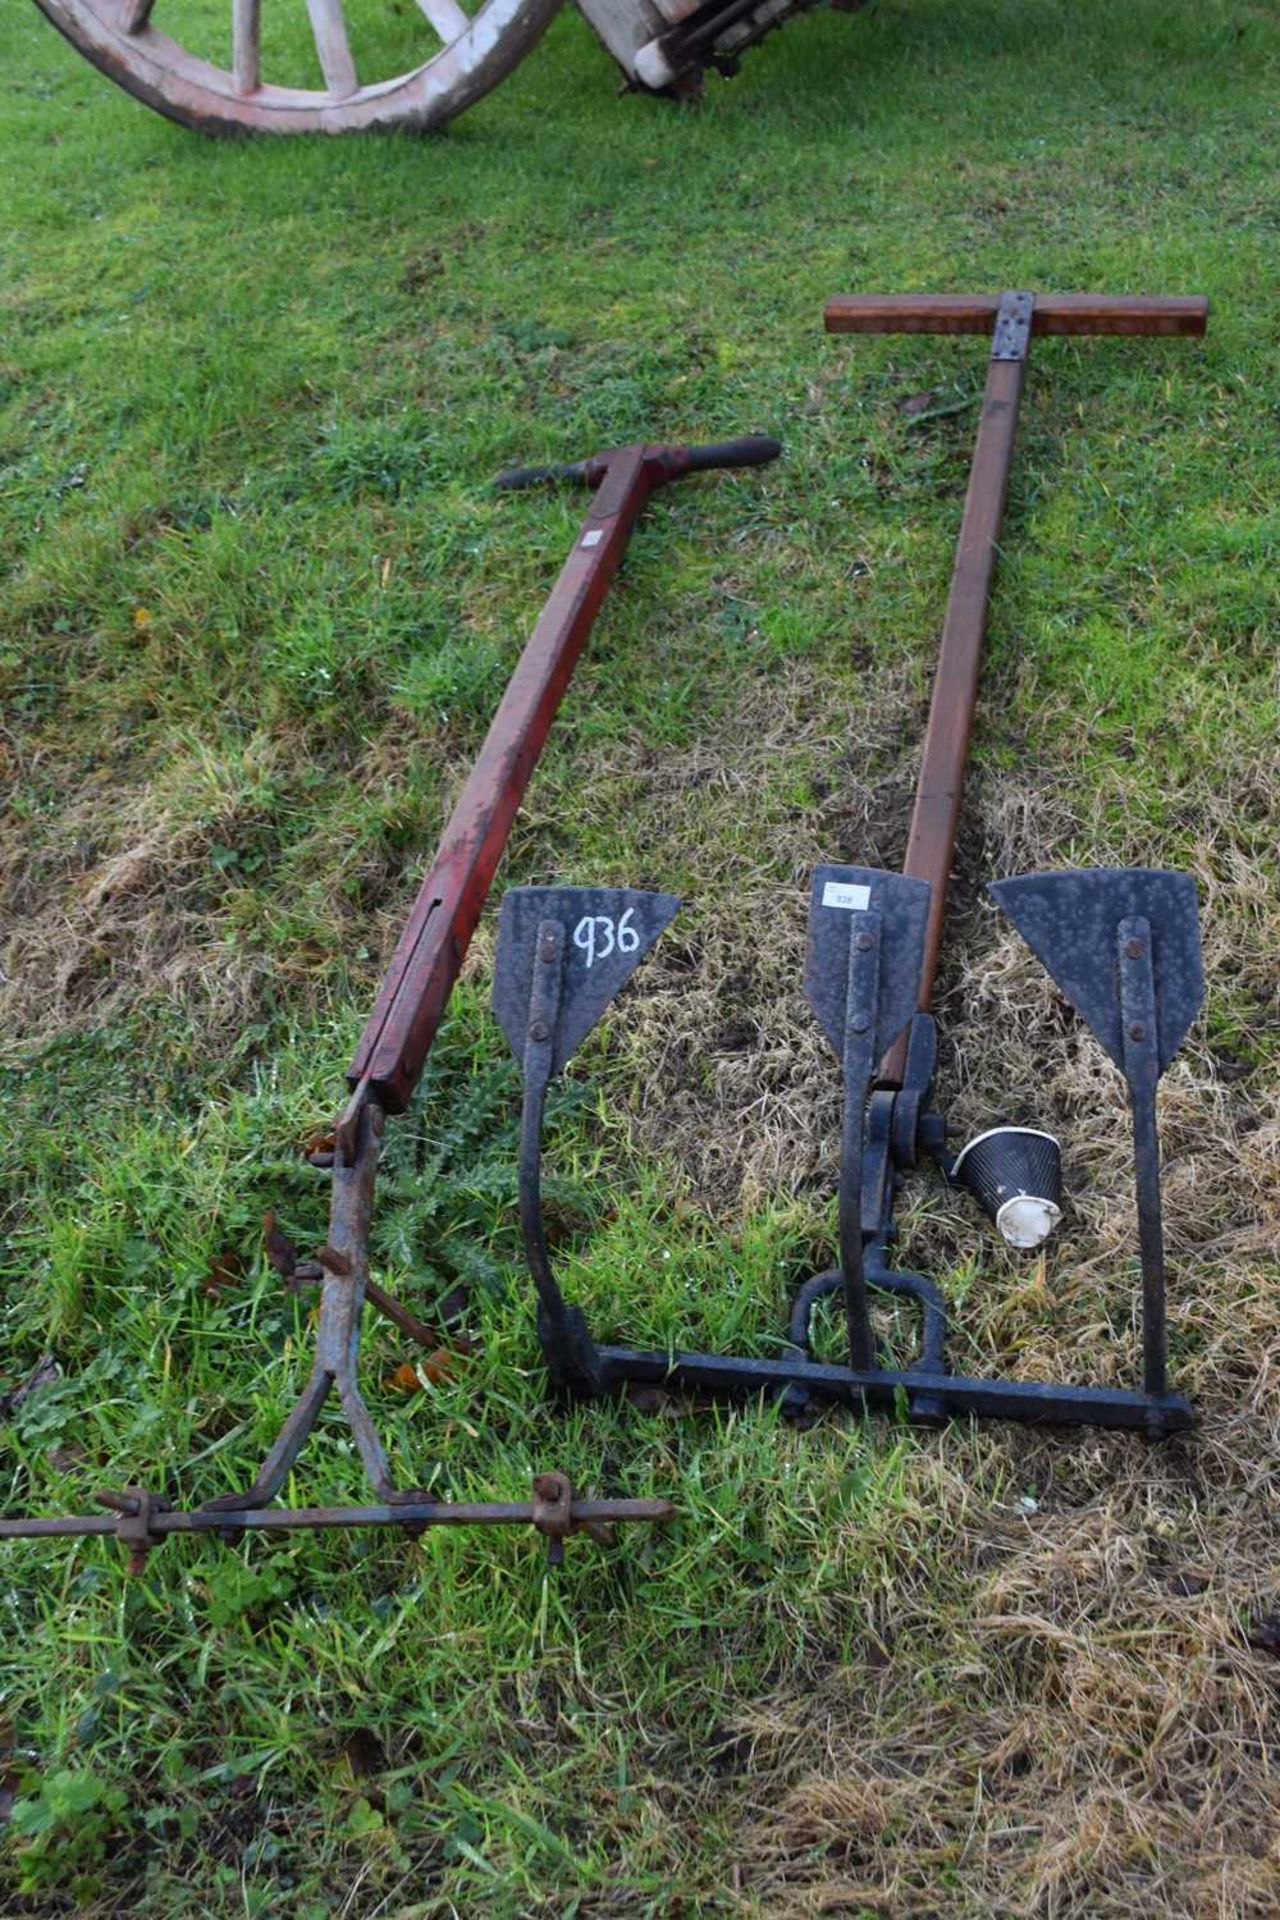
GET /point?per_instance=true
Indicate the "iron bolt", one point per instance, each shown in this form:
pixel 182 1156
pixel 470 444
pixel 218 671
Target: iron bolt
pixel 538 1031
pixel 860 1022
pixel 1137 1031
pixel 865 943
pixel 548 949
pixel 1133 949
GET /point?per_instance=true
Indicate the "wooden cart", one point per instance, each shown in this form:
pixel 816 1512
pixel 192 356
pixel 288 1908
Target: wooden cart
pixel 149 47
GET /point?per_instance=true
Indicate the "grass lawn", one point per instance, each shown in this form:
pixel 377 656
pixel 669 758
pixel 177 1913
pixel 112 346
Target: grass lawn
pixel 260 603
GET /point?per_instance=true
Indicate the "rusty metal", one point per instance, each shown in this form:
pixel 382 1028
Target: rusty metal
pixel 408 1323
pixel 342 1292
pixel 553 1512
pixel 142 1520
pixel 311 1272
pixel 136 1525
pixel 393 1051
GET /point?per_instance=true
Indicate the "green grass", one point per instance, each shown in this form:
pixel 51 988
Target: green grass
pixel 260 603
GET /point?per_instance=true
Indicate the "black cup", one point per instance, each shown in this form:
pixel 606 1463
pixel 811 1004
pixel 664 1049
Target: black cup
pixel 1015 1175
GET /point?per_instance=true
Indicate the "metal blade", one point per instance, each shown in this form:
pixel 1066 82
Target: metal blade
pixel 608 931
pixel 837 896
pixel 1070 922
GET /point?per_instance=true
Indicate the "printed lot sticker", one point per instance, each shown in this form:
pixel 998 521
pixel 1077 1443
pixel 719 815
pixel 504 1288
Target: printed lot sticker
pixel 839 893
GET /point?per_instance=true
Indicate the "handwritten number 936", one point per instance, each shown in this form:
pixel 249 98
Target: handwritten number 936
pixel 597 936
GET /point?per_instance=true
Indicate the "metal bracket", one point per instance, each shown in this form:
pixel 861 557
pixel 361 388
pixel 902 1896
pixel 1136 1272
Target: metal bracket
pixel 862 978
pixel 135 1528
pixel 554 1517
pixel 1142 1071
pixel 894 1128
pixel 344 1266
pixel 562 1330
pixel 1011 335
pixel 859 1062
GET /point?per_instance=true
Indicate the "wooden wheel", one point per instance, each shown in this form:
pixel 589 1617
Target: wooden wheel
pixel 471 54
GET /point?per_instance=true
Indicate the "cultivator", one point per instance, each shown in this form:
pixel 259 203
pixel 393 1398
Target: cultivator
pixel 393 1051
pixel 1121 944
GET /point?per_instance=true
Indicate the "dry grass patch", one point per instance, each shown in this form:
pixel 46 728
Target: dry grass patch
pixel 1082 1727
pixel 116 900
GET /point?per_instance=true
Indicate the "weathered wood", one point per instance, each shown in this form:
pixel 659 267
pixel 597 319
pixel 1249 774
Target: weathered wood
pixel 624 27
pixel 935 817
pixel 329 30
pixel 246 43
pixel 447 19
pixel 1054 313
pixel 194 92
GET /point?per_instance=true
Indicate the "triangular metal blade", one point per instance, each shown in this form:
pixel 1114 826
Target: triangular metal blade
pixel 836 896
pixel 1070 922
pixel 607 933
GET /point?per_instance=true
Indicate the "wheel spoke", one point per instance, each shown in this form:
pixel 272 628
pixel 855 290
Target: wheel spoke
pixel 462 49
pixel 329 29
pixel 447 18
pixel 246 44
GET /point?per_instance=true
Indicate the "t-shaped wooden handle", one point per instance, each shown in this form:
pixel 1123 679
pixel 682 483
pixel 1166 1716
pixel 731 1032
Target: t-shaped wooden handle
pixel 1053 313
pixel 1008 319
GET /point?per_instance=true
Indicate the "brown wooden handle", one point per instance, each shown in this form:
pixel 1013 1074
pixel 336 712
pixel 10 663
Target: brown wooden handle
pixel 1180 314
